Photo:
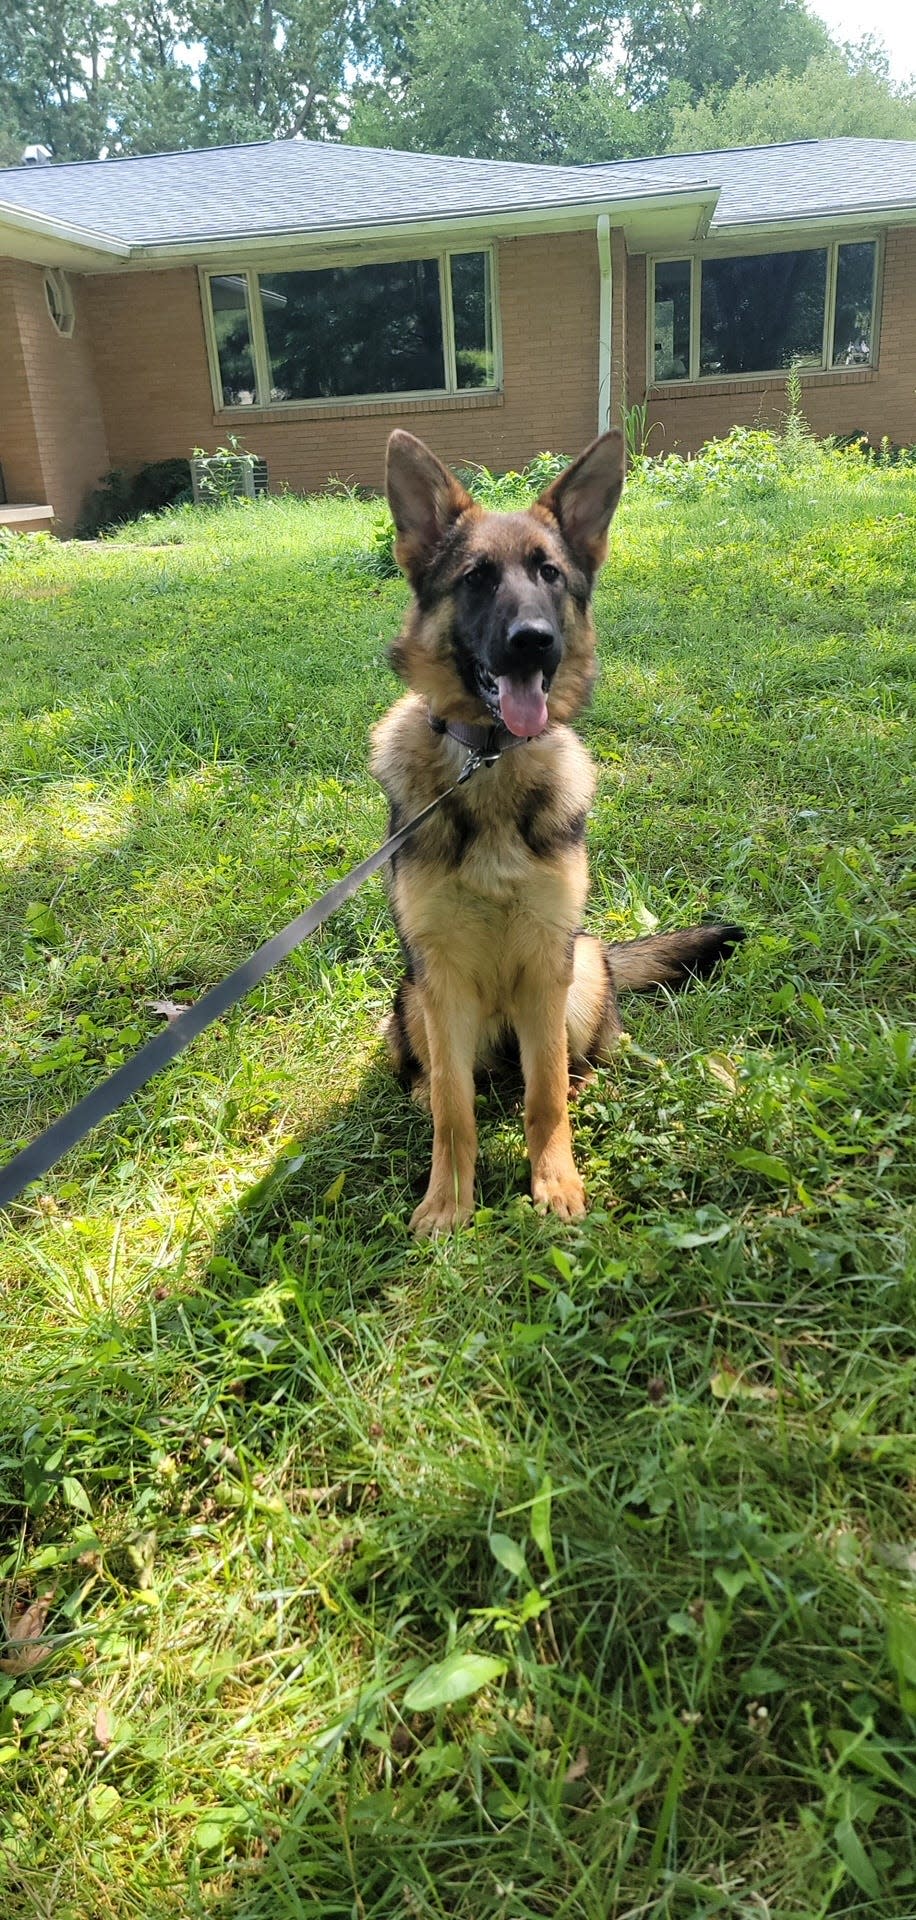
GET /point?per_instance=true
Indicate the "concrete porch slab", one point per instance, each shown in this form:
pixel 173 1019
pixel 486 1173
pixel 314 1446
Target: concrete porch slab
pixel 27 518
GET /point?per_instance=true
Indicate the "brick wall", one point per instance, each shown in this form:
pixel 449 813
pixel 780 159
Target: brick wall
pixel 52 442
pixel 153 378
pixel 873 400
pixel 19 454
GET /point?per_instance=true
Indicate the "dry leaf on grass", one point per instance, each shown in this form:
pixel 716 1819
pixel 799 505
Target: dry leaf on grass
pixel 24 1647
pixel 729 1381
pixel 102 1730
pixel 577 1768
pixel 172 1009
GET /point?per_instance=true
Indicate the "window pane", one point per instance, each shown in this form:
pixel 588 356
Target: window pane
pixel 672 320
pixel 229 300
pixel 760 313
pixel 472 308
pixel 342 331
pixel 855 279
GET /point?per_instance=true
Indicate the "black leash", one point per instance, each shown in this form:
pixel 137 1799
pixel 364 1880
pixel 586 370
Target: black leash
pixel 56 1140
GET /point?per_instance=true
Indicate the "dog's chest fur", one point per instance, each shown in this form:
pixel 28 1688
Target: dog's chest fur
pixel 500 870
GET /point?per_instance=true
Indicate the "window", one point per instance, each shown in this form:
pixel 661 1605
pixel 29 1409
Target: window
pixel 344 333
pixel 721 316
pixel 232 332
pixel 672 320
pixel 59 300
pixel 855 305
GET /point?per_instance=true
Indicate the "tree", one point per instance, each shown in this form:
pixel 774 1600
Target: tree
pixel 272 69
pixel 599 122
pixel 561 80
pixel 53 61
pixel 835 95
pixel 155 100
pixel 708 45
pixel 476 84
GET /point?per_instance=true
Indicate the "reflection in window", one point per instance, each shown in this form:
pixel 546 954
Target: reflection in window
pixel 344 333
pixel 229 302
pixel 472 306
pixel 763 312
pixel 341 331
pixel 672 320
pixel 855 280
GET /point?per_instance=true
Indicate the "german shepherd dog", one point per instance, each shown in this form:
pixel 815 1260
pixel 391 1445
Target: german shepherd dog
pixel 498 650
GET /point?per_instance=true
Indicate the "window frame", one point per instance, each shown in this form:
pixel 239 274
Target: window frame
pixel 56 283
pixel 788 243
pixel 335 402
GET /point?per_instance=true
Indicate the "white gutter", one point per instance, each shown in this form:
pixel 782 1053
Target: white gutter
pixel 43 225
pixel 604 322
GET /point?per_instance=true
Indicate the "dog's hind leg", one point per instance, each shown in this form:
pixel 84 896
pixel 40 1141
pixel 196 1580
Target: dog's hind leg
pixel 408 1047
pixel 592 1020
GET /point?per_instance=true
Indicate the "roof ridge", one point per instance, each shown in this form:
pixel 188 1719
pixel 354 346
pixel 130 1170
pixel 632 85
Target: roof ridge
pixel 164 153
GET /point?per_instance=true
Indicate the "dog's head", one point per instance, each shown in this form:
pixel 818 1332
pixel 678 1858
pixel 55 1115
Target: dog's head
pixel 501 627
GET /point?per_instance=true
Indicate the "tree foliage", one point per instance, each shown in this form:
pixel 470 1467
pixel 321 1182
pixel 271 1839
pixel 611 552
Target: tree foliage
pixel 833 96
pixel 541 80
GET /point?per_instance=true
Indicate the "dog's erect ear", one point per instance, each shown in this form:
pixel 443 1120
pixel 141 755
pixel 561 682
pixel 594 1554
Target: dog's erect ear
pixel 425 501
pixel 584 498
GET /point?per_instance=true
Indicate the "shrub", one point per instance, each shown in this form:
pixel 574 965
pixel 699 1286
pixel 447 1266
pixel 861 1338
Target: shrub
pixel 125 496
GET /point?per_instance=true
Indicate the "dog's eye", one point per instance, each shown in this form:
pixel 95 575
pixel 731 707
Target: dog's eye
pixel 550 573
pixel 480 576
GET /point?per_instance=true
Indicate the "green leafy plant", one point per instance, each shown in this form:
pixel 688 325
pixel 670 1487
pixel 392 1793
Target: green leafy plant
pixel 218 472
pixel 637 431
pixel 381 547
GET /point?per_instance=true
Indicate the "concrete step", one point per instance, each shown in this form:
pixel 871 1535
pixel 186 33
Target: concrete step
pixel 27 519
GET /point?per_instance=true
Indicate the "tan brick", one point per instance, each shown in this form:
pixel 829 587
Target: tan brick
pixel 52 442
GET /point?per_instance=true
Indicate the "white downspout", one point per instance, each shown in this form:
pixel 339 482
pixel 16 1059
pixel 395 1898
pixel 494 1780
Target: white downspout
pixel 604 323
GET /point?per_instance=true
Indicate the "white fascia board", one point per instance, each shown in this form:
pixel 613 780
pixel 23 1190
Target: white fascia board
pixel 42 226
pixel 827 221
pixel 696 203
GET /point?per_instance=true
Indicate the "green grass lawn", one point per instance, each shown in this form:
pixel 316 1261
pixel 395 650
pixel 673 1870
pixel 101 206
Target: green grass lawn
pixel 646 1486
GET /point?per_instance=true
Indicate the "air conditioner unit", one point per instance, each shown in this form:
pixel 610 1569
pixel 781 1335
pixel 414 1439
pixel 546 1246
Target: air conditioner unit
pixel 227 476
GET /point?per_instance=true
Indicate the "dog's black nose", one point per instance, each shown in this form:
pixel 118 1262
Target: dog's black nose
pixel 530 639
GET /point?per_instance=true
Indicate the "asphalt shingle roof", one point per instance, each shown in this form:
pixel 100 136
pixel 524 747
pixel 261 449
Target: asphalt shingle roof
pixel 312 186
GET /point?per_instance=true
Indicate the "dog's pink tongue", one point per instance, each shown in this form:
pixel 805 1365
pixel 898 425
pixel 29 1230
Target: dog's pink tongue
pixel 523 705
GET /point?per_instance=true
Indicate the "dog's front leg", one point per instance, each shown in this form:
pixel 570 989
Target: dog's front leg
pixel 452 1026
pixel 540 1022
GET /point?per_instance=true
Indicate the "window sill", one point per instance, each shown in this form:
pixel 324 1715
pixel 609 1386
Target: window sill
pixel 293 411
pixel 763 382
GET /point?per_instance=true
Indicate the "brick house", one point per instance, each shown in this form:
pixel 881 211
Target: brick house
pixel 309 296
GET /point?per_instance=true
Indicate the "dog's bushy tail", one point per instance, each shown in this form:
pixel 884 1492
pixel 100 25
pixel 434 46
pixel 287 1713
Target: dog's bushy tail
pixel 670 959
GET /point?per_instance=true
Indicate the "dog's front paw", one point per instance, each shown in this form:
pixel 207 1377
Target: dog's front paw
pixel 438 1213
pixel 562 1194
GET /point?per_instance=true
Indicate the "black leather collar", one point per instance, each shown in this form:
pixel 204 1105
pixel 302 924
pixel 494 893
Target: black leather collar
pixel 488 742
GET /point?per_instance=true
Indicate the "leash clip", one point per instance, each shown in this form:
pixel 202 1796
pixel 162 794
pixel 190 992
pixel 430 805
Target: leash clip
pixel 478 757
pixel 475 760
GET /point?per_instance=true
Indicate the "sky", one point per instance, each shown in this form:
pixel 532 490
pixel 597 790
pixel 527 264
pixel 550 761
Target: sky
pixel 893 21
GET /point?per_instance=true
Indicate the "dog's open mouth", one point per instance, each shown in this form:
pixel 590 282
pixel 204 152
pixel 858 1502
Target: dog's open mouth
pixel 520 703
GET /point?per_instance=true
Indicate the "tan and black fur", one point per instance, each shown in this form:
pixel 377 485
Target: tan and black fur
pixel 489 896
